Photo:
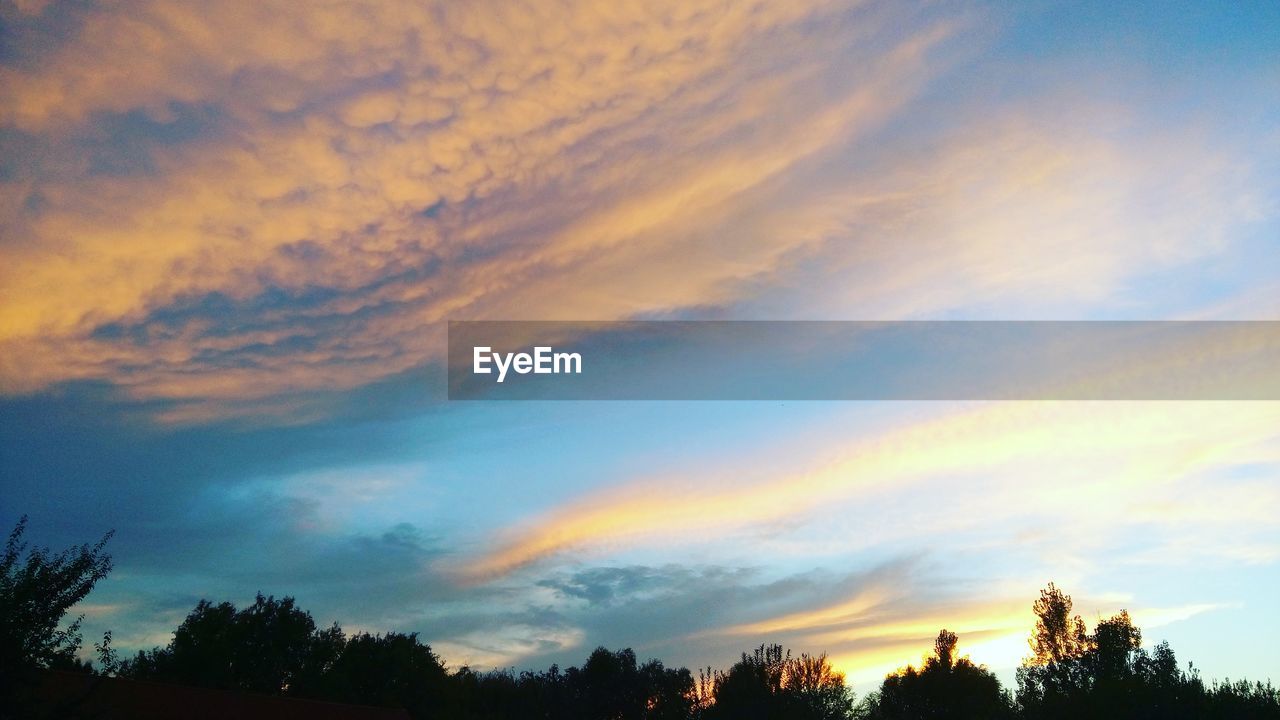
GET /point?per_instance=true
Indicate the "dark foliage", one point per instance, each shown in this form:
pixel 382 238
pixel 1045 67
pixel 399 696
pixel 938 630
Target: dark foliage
pixel 36 591
pixel 770 683
pixel 1107 674
pixel 391 670
pixel 265 648
pixel 944 688
pixel 273 647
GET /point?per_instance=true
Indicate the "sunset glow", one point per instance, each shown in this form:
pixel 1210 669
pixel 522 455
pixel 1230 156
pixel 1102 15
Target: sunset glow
pixel 232 235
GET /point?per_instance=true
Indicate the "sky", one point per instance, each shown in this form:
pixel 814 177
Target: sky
pixel 232 235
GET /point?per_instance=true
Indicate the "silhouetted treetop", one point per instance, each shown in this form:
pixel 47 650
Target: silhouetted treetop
pixel 272 646
pixel 944 688
pixel 1058 634
pixel 37 591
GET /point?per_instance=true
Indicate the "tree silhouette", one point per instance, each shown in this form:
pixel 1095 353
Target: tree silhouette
pixel 669 693
pixel 274 647
pixel 751 688
pixel 1104 674
pixel 770 683
pixel 393 670
pixel 944 648
pixel 814 689
pixel 1053 680
pixel 1241 700
pixel 266 647
pixel 1058 635
pixel 35 594
pixel 1107 674
pixel 944 688
pixel 608 685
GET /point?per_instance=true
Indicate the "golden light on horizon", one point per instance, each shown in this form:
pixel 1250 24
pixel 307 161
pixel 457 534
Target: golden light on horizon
pixel 1142 445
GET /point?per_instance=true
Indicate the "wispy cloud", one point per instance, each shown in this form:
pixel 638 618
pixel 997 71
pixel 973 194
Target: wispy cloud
pixel 1045 460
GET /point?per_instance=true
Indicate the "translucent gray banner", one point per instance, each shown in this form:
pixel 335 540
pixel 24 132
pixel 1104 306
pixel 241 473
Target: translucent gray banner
pixel 926 360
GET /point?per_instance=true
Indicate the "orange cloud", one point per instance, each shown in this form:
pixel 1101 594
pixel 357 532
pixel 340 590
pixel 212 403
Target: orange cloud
pixel 413 164
pixel 370 171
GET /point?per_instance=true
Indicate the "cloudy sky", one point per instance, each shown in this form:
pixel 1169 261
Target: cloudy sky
pixel 232 234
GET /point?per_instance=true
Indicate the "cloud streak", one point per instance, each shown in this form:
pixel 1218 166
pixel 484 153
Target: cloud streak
pixel 1136 449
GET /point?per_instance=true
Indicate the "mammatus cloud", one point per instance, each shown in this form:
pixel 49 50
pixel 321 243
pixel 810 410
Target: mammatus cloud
pixel 303 195
pixel 368 172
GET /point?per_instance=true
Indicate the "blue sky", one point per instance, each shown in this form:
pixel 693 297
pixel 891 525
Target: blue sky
pixel 232 237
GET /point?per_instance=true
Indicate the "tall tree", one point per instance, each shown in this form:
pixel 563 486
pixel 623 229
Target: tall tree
pixel 1058 634
pixel 1053 681
pixel 944 688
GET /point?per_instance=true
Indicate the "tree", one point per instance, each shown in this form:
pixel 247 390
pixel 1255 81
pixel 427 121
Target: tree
pixel 814 689
pixel 503 694
pixel 1107 674
pixel 1113 649
pixel 669 693
pixel 1242 700
pixel 35 594
pixel 770 683
pixel 275 641
pixel 203 650
pixel 750 689
pixel 1052 682
pixel 1058 635
pixel 272 646
pixel 608 685
pixel 267 647
pixel 392 670
pixel 944 648
pixel 613 685
pixel 945 687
